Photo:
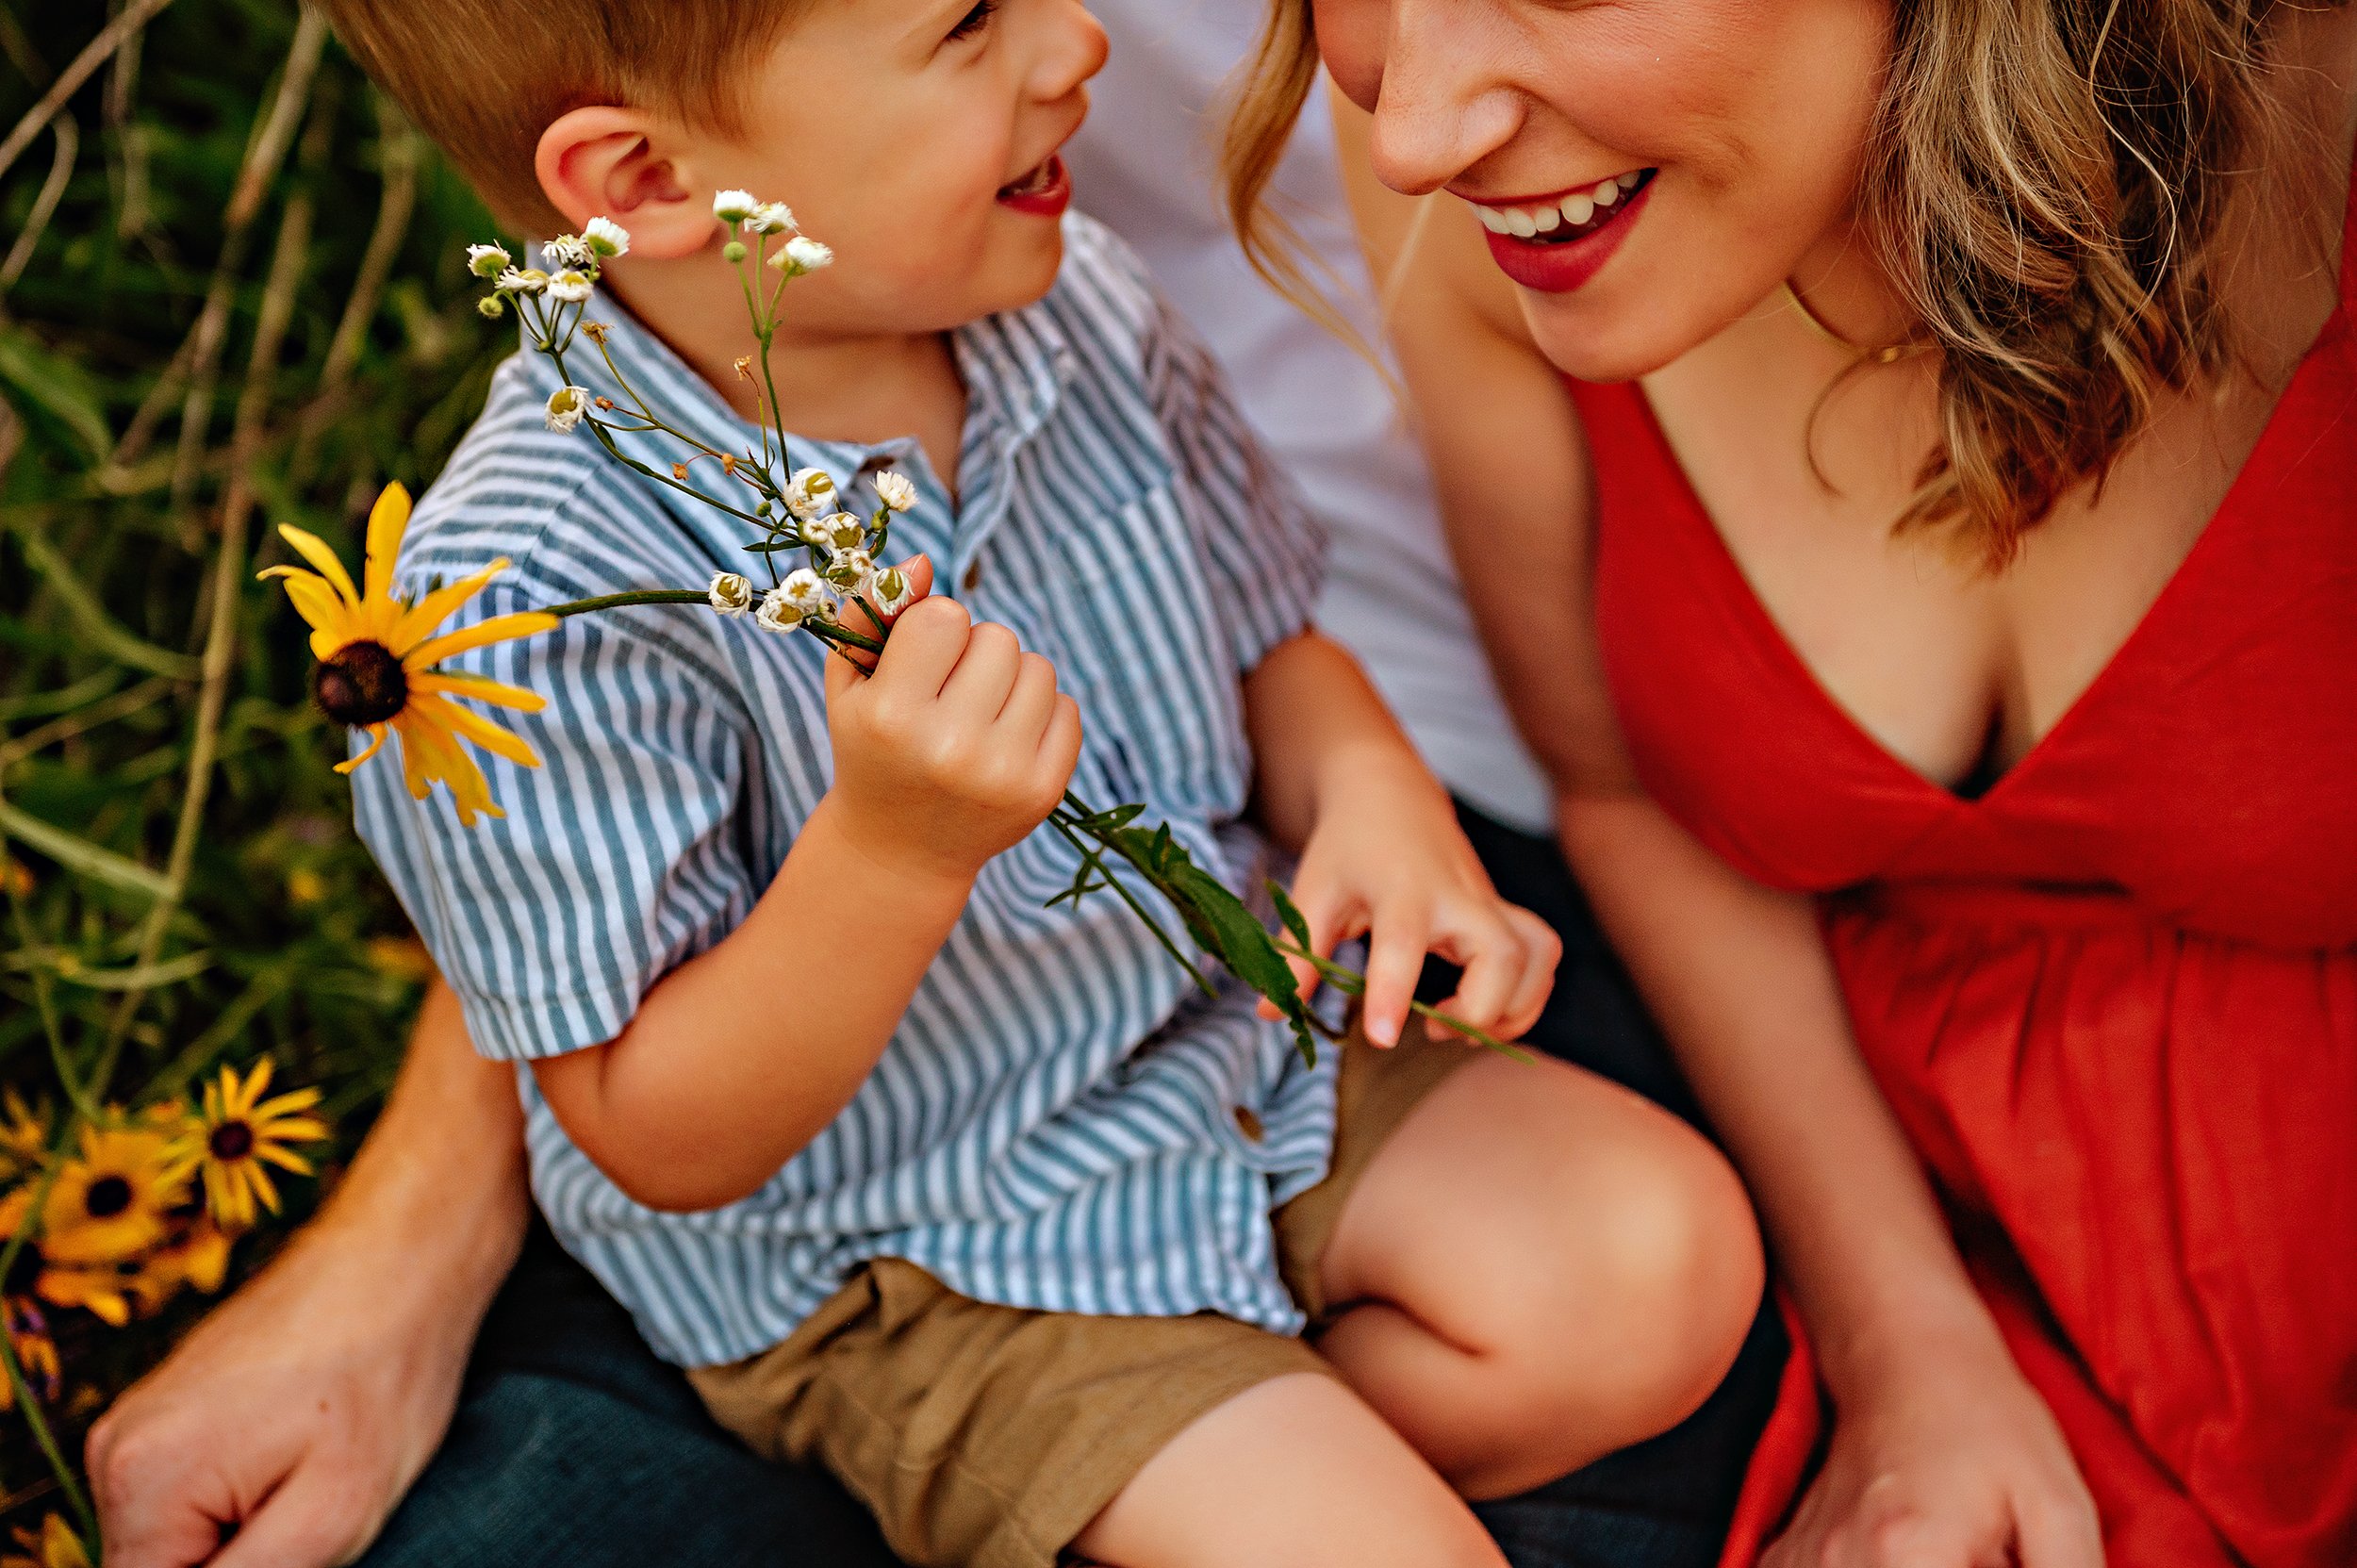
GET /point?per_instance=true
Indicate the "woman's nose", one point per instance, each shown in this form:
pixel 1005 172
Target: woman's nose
pixel 1444 104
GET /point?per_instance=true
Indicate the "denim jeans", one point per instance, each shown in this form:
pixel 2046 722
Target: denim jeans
pixel 573 1447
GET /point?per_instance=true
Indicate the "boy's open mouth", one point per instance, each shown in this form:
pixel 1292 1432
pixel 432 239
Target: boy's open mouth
pixel 1045 189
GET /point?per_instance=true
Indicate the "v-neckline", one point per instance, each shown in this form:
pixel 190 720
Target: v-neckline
pixel 1772 638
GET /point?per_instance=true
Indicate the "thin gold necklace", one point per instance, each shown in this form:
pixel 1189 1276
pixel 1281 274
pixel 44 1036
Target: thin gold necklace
pixel 1889 354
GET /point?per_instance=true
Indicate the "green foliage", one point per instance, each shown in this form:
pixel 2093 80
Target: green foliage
pixel 232 295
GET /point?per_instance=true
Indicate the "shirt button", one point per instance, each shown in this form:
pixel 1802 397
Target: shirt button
pixel 973 577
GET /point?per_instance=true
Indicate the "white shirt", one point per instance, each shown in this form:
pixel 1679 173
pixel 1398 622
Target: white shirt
pixel 1145 164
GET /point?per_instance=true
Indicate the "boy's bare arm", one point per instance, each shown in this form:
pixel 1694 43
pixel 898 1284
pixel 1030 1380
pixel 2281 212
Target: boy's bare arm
pixel 957 747
pixel 1381 852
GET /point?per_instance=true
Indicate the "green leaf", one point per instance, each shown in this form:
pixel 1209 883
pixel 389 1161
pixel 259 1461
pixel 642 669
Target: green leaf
pixel 53 394
pixel 80 855
pixel 1290 913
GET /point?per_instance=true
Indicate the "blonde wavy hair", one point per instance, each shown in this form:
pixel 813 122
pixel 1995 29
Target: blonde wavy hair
pixel 2049 182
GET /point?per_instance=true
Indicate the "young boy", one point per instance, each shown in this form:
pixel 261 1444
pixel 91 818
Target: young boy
pixel 970 1198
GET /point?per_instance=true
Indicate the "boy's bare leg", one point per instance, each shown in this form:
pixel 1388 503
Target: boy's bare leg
pixel 1295 1473
pixel 1548 1269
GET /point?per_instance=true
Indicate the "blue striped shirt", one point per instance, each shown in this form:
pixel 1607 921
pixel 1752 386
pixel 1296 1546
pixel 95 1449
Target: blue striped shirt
pixel 1055 1124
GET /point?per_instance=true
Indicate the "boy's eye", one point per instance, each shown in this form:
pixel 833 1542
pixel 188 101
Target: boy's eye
pixel 973 22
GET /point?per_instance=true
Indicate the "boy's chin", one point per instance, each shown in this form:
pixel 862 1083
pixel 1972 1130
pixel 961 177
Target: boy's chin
pixel 1018 272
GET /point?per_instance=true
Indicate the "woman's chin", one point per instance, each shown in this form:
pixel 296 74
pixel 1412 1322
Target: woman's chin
pixel 1589 344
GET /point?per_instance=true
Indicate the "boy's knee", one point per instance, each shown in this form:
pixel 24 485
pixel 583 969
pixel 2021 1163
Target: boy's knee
pixel 1631 1323
pixel 1684 1266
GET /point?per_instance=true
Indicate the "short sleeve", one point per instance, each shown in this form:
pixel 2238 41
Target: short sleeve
pixel 616 860
pixel 1265 550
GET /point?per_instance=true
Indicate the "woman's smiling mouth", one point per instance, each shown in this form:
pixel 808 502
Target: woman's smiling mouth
pixel 1556 243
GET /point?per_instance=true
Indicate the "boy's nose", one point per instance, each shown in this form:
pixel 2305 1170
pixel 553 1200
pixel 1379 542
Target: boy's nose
pixel 1077 52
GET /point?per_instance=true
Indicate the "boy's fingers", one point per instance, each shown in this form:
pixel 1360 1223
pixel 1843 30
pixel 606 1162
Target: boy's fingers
pixel 1323 915
pixel 1059 748
pixel 984 676
pixel 1394 964
pixel 918 570
pixel 1537 983
pixel 1492 958
pixel 1032 701
pixel 928 639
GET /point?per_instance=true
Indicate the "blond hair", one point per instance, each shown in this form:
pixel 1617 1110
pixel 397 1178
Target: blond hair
pixel 484 77
pixel 2049 182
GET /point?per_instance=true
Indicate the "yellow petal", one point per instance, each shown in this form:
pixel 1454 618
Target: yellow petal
pixel 388 519
pixel 314 550
pixel 498 629
pixel 455 683
pixel 241 1097
pixel 376 739
pixel 285 1104
pixel 437 756
pixel 499 742
pixel 284 1159
pixel 418 622
pixel 263 1187
pixel 315 600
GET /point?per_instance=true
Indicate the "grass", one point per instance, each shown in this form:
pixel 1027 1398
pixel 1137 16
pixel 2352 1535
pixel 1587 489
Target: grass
pixel 232 295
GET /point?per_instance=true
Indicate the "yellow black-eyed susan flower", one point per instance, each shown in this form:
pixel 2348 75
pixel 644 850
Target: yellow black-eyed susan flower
pixel 24 1135
pixel 54 1545
pixel 36 1352
pixel 197 1256
pixel 235 1133
pixel 111 1201
pixel 376 655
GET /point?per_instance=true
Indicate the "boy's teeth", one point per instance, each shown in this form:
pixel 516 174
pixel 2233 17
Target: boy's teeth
pixel 1559 219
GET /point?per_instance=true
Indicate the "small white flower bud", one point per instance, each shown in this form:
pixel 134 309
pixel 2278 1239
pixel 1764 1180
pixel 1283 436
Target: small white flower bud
pixel 809 493
pixel 778 612
pixel 842 531
pixel 733 252
pixel 488 261
pixel 805 255
pixel 895 490
pixel 891 591
pixel 568 407
pixel 808 594
pixel 732 593
pixel 605 238
pixel 524 280
pixel 491 305
pixel 733 207
pixel 569 253
pixel 573 286
pixel 771 218
pixel 849 569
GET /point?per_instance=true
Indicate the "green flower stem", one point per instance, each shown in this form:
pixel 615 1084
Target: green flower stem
pixel 1351 983
pixel 640 596
pixel 1071 826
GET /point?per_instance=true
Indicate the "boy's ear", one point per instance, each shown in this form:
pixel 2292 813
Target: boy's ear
pixel 619 163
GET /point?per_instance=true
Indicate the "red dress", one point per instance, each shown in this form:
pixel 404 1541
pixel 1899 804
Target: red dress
pixel 2113 1001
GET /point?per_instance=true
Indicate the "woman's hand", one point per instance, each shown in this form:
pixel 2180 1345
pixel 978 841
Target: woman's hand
pixel 1387 860
pixel 1951 1461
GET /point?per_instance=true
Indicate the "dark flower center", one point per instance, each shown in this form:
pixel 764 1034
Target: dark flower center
pixel 107 1197
pixel 361 685
pixel 231 1141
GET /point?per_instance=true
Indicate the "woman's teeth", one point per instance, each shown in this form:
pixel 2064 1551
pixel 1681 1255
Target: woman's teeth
pixel 1563 219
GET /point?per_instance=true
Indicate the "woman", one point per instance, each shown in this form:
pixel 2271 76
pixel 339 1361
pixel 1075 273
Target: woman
pixel 1942 643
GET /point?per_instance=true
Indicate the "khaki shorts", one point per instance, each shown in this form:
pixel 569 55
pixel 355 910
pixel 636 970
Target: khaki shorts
pixel 990 1436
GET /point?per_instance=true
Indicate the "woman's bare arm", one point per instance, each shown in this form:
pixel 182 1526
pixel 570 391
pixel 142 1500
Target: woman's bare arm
pixel 300 1410
pixel 1736 975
